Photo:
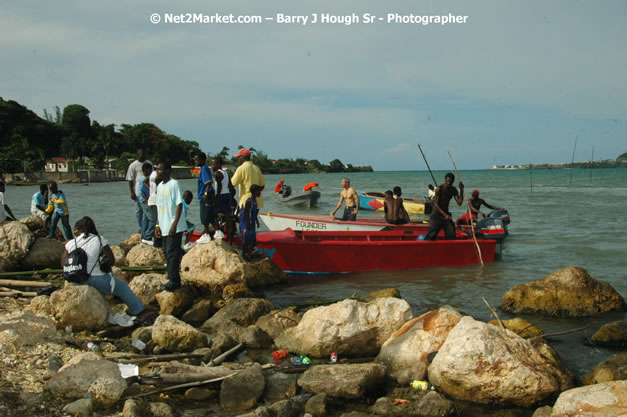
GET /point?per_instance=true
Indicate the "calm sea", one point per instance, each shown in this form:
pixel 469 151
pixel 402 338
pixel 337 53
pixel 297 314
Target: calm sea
pixel 554 225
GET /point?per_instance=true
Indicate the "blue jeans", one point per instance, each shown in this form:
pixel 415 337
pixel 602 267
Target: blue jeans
pixel 65 221
pixel 148 222
pixel 139 215
pixel 121 289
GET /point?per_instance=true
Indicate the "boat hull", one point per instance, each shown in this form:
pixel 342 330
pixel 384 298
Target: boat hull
pixel 299 198
pixel 343 252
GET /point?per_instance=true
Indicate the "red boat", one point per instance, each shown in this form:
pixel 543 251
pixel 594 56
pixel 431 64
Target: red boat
pixel 339 252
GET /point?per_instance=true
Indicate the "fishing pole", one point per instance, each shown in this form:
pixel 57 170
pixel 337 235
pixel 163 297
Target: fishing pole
pixel 428 167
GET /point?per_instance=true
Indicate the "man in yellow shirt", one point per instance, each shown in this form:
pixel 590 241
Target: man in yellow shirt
pixel 246 175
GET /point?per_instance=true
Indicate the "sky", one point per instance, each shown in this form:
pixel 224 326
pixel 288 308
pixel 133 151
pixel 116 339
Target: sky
pixel 517 83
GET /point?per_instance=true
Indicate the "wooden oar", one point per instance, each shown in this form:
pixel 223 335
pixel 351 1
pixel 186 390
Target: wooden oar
pixel 472 226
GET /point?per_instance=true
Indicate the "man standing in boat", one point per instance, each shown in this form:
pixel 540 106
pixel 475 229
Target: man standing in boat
pixel 475 203
pixel 441 217
pixel 352 202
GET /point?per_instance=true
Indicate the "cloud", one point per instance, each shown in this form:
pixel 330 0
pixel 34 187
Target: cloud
pixel 397 149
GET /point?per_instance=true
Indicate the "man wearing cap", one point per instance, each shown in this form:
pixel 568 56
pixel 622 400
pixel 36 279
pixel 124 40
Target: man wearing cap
pixel 246 175
pixel 475 203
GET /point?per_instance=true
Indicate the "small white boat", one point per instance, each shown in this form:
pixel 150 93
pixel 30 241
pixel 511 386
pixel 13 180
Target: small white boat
pixel 298 198
pixel 277 222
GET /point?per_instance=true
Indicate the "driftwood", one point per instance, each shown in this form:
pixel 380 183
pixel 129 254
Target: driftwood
pixel 221 358
pixel 20 283
pixel 494 313
pixel 6 292
pixel 142 359
pixel 540 336
pixel 186 385
pixel 182 373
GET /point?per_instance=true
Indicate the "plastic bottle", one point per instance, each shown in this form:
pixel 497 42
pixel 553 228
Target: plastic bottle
pixel 304 359
pixel 296 360
pixel 92 346
pixel 334 357
pixel 280 354
pixel 422 385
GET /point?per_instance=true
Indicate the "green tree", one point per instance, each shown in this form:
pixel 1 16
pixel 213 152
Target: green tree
pixel 336 166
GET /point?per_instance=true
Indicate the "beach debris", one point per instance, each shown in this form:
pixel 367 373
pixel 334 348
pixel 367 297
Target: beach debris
pixel 481 363
pixel 348 328
pixel 405 353
pixel 568 292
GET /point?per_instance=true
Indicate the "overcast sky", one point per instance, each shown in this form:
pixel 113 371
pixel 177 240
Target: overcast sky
pixel 517 83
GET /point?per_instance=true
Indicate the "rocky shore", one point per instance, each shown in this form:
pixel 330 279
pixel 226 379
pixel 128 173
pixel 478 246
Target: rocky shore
pixel 217 348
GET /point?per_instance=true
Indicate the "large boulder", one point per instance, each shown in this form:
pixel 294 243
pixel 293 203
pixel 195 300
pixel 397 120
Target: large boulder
pixel 277 321
pixel 481 363
pixel 81 307
pixel 35 225
pixel 45 253
pixel 144 255
pixel 177 302
pixel 40 305
pixel 242 311
pixel 216 264
pixel 130 242
pixel 349 328
pixel 243 390
pixel 177 336
pixel 343 381
pixel 15 240
pixel 600 400
pixel 612 369
pixel 99 378
pixel 119 255
pixel 611 334
pixel 404 354
pixel 569 292
pixel 147 286
pixel 19 329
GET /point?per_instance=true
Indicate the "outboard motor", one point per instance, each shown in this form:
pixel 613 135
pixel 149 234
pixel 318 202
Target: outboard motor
pixel 493 228
pixel 504 214
pixel 286 190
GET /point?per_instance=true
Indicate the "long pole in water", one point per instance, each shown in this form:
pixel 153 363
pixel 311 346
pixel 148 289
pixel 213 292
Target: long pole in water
pixel 531 176
pixel 592 162
pixel 472 225
pixel 572 163
pixel 435 183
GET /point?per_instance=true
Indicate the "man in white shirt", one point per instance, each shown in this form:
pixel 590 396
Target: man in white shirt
pixel 153 181
pixel 169 228
pixel 133 176
pixel 4 208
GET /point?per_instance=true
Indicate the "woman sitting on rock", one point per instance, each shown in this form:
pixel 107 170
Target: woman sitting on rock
pixel 87 238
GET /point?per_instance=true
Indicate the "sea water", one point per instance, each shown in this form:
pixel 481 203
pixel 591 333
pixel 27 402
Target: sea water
pixel 556 223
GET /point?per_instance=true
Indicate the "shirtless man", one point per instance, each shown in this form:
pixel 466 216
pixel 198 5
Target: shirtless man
pixel 395 212
pixel 352 202
pixel 441 217
pixel 475 203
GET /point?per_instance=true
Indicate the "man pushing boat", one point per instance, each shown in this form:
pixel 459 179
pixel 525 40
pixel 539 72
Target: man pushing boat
pixel 441 217
pixel 352 201
pixel 475 203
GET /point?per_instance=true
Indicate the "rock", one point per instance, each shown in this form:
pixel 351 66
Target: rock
pixel 543 411
pixel 599 400
pixel 80 408
pixel 404 354
pixel 132 408
pixel 19 329
pixel 252 336
pixel 44 253
pixel 146 287
pixel 54 363
pixel 519 326
pixel 142 333
pixel 481 363
pixel 611 334
pixel 220 344
pixel 286 408
pixel 199 394
pixel 241 311
pixel 119 254
pixel 612 369
pixel 40 305
pixel 275 322
pixel 81 307
pixel 175 303
pixel 160 410
pixel 280 386
pixel 216 264
pixel 344 381
pixel 177 336
pixel 15 240
pixel 130 242
pixel 433 404
pixel 348 328
pixel 199 312
pixel 237 291
pixel 356 414
pixel 243 390
pixel 35 225
pixel 384 293
pixel 317 405
pixel 99 378
pixel 144 255
pixel 569 292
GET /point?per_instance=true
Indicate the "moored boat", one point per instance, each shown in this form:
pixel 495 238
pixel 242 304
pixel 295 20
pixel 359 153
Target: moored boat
pixel 298 198
pixel 278 221
pixel 340 252
pixel 374 201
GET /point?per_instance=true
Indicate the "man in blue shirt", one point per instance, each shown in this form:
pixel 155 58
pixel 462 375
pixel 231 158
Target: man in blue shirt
pixel 206 198
pixel 60 212
pixel 170 226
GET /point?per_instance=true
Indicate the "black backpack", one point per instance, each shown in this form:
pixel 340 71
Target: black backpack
pixel 75 265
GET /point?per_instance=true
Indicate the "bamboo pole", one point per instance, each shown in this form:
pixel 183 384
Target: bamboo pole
pixel 60 271
pixel 572 164
pixel 435 183
pixel 19 283
pixel 531 176
pixel 472 225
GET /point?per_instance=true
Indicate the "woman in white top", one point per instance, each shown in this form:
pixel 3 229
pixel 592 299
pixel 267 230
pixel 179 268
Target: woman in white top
pixel 87 238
